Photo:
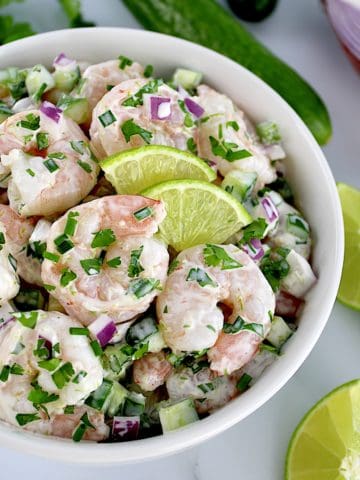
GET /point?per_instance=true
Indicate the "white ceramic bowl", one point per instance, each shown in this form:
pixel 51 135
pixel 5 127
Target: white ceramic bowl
pixel 315 193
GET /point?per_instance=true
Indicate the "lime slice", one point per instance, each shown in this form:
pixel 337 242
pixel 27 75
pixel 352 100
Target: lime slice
pixel 197 212
pixel 134 170
pixel 349 291
pixel 326 443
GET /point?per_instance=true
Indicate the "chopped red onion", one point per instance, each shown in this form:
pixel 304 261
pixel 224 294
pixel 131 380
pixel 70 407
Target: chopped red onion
pixel 254 249
pixel 160 108
pixel 103 329
pixel 125 428
pixel 270 210
pixel 51 111
pixel 287 305
pixel 6 322
pixel 63 61
pixel 345 18
pixel 194 107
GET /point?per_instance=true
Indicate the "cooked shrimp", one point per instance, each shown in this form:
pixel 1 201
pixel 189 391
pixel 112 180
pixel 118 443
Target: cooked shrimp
pixel 17 231
pixel 99 78
pixel 188 310
pixel 210 392
pixel 63 425
pixel 116 126
pixel 47 363
pixel 224 138
pixel 42 156
pixel 151 371
pixel 107 262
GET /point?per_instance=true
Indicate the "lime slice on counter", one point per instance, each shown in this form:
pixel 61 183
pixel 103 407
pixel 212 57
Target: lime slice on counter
pixel 134 170
pixel 349 291
pixel 326 443
pixel 197 212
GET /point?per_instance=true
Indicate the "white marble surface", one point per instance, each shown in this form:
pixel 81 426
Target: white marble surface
pixel 254 449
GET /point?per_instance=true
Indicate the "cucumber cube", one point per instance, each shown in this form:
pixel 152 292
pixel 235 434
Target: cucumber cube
pixel 177 415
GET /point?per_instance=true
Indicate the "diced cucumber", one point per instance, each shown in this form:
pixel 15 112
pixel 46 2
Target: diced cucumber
pixel 66 80
pixel 268 132
pixel 98 398
pixel 115 361
pixel 279 332
pixel 116 400
pixel 134 404
pixel 5 111
pixel 38 81
pixel 29 299
pixel 156 342
pixel 54 305
pixel 12 80
pixel 177 415
pixel 188 79
pixel 297 226
pixel 239 184
pixel 75 108
pixel 258 364
pixel 300 277
pixel 141 330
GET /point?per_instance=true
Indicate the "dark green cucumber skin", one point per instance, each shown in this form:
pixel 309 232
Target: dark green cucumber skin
pixel 207 23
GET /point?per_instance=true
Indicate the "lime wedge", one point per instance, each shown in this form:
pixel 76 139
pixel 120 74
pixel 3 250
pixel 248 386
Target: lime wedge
pixel 197 212
pixel 134 170
pixel 349 291
pixel 326 443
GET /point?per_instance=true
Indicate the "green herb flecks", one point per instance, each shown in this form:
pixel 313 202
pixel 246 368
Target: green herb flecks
pixel 240 324
pixel 135 267
pixel 130 128
pixel 215 256
pixel 201 277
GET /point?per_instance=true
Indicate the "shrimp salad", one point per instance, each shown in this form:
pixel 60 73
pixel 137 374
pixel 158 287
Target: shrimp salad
pixel 107 333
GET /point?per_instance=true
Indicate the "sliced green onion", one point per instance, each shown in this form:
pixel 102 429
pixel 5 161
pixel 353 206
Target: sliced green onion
pixel 42 140
pixel 71 223
pixel 63 375
pixel 143 213
pixel 81 429
pixel 206 387
pixel 107 118
pixel 85 166
pixel 57 155
pixel 148 71
pixel 124 62
pixel 5 372
pixel 201 277
pixel 50 365
pixel 12 261
pixel 51 165
pixel 51 256
pixel 63 243
pixel 243 382
pixel 143 286
pixel 79 331
pixel 67 276
pixel 135 267
pixel 30 172
pixel 96 348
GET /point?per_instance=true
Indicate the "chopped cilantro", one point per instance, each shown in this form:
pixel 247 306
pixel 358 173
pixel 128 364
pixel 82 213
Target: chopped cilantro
pixel 130 128
pixel 215 256
pixel 201 277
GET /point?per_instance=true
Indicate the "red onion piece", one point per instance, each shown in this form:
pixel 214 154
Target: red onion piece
pixel 125 428
pixel 254 249
pixel 103 329
pixel 160 108
pixel 51 111
pixel 194 107
pixel 287 305
pixel 345 18
pixel 63 61
pixel 270 210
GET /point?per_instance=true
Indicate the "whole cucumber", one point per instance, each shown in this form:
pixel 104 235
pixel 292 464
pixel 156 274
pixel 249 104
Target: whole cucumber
pixel 207 23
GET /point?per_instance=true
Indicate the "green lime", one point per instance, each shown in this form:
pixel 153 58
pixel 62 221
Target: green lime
pixel 349 291
pixel 197 212
pixel 134 170
pixel 326 443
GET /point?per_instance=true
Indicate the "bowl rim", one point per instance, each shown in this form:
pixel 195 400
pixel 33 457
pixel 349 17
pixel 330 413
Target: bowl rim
pixel 163 445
